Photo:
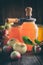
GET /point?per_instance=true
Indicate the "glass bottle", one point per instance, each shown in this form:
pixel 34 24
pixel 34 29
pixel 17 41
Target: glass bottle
pixel 40 32
pixel 29 28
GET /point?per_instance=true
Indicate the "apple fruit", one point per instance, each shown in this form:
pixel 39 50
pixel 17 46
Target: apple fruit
pixel 15 55
pixel 12 41
pixel 7 49
pixel 22 48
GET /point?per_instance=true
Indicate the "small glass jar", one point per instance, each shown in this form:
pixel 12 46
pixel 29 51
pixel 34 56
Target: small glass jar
pixel 12 29
pixel 40 32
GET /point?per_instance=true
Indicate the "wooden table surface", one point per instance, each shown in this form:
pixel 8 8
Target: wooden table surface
pixel 27 59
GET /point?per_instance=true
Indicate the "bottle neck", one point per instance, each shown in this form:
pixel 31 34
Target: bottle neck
pixel 28 17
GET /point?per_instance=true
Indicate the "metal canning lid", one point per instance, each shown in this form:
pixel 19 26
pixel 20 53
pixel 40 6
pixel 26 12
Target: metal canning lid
pixel 27 19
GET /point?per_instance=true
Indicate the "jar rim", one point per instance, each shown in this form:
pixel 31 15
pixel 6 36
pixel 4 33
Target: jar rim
pixel 26 19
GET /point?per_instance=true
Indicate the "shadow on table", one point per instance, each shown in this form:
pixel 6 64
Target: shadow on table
pixel 6 60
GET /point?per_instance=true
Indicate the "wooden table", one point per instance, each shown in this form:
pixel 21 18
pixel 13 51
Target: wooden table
pixel 27 59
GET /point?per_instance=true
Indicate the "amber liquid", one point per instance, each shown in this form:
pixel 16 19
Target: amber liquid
pixel 40 33
pixel 14 33
pixel 28 29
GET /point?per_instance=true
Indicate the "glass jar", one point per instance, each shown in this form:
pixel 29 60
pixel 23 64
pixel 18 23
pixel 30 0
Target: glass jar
pixel 40 33
pixel 12 29
pixel 29 28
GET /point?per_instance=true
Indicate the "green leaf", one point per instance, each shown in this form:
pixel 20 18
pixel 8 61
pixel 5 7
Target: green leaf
pixel 27 40
pixel 37 41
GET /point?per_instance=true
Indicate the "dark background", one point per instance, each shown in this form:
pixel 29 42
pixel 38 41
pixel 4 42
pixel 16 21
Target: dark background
pixel 16 8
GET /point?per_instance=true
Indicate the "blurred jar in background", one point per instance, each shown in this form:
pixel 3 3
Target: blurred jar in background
pixel 40 33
